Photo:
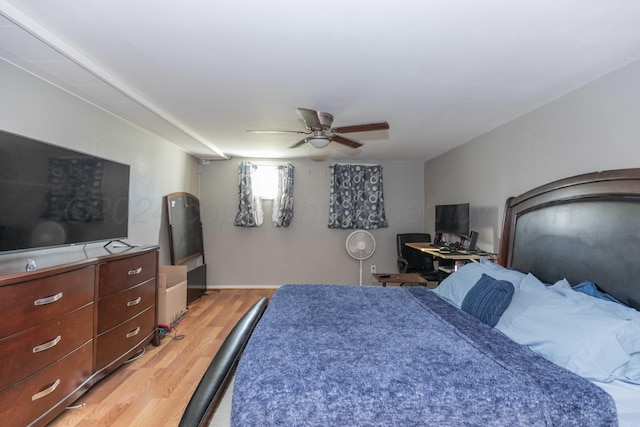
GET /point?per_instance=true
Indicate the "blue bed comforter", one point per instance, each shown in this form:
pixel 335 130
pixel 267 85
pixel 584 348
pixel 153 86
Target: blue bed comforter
pixel 327 355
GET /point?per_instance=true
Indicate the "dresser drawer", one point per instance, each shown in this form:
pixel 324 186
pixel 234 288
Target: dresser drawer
pixel 27 304
pixel 31 350
pixel 116 276
pixel 23 403
pixel 119 340
pixel 120 307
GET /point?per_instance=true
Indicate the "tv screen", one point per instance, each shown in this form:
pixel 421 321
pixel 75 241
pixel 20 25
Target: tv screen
pixel 453 219
pixel 53 196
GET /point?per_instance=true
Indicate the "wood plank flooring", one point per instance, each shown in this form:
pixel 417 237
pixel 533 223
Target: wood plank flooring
pixel 154 390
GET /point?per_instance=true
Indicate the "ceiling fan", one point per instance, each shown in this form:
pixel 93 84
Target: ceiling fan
pixel 319 132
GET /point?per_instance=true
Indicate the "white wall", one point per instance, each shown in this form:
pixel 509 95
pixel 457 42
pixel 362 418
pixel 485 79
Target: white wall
pixel 307 251
pixel 594 128
pixel 36 109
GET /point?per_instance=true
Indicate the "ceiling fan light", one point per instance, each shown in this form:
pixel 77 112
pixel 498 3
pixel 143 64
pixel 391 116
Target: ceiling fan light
pixel 318 142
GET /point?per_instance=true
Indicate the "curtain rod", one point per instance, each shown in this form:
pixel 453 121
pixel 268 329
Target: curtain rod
pixel 355 164
pixel 266 163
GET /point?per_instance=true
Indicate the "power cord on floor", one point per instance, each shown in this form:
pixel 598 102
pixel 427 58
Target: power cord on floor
pixel 175 335
pixel 165 331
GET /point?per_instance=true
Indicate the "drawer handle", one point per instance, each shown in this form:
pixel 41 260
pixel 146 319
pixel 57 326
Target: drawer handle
pixel 133 333
pixel 47 345
pixel 134 272
pixel 46 391
pixel 134 302
pixel 48 300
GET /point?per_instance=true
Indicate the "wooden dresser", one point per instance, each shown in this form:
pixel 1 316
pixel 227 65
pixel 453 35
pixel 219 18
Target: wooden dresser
pixel 69 323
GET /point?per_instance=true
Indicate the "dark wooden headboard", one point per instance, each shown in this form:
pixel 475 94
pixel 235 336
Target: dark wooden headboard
pixel 582 228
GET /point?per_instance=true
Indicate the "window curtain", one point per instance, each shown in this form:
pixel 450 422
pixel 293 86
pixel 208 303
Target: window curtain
pixel 250 207
pixel 356 199
pixel 283 203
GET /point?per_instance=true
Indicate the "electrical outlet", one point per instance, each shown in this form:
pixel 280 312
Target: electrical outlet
pixel 373 269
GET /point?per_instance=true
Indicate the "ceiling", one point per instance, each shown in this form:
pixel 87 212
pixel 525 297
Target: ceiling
pixel 199 73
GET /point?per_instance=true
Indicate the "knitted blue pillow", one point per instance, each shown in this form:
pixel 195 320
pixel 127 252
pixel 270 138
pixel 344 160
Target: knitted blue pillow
pixel 488 299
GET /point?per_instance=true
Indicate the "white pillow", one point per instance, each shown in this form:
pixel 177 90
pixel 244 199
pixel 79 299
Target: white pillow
pixel 615 308
pixel 630 371
pixel 456 286
pixel 588 336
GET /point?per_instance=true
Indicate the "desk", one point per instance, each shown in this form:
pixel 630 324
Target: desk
pixel 454 255
pixel 399 278
pixel 458 257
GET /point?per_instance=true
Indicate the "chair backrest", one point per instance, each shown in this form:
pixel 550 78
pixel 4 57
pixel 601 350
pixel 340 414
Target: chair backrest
pixel 416 260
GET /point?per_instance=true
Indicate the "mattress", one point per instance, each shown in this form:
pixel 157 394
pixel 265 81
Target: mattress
pixel 348 355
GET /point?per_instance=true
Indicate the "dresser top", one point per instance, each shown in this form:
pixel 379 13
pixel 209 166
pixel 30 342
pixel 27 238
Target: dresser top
pixel 13 266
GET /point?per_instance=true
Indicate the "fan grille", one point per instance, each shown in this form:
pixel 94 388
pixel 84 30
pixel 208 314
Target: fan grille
pixel 360 244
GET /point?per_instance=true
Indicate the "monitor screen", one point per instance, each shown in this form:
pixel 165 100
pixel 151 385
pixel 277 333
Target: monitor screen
pixel 54 196
pixel 453 219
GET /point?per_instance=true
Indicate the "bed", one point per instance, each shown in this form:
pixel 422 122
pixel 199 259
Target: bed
pixel 549 336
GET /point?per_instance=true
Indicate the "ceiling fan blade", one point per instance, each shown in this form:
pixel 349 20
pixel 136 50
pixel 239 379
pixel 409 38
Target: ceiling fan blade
pixel 299 143
pixel 311 118
pixel 346 141
pixel 362 128
pixel 279 131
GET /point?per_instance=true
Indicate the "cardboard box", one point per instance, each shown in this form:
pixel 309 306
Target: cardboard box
pixel 172 293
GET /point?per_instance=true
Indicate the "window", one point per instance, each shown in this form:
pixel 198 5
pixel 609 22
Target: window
pixel 258 182
pixel 265 181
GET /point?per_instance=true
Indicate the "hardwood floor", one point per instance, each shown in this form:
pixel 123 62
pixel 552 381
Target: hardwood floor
pixel 154 390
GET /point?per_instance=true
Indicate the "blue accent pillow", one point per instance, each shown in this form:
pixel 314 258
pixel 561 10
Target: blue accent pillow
pixel 590 288
pixel 455 286
pixel 488 299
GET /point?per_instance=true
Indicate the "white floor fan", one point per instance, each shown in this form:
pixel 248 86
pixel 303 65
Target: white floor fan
pixel 360 245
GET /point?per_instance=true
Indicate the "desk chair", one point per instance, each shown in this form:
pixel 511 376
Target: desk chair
pixel 412 260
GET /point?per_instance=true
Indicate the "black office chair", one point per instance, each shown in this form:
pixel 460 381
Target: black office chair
pixel 411 260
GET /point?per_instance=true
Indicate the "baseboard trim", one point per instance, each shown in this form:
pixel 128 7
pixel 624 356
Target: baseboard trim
pixel 216 287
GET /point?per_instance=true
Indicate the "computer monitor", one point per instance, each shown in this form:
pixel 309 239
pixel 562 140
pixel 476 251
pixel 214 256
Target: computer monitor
pixel 452 219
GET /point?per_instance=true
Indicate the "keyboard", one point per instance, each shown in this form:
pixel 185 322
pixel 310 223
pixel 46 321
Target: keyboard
pixel 442 245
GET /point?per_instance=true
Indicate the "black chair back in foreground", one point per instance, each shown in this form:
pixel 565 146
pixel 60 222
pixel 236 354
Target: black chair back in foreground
pixel 204 400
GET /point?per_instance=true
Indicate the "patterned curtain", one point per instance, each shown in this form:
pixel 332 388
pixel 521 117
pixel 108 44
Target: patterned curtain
pixel 356 199
pixel 250 208
pixel 283 203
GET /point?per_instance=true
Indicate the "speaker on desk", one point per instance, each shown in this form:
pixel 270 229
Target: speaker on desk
pixel 438 238
pixel 473 239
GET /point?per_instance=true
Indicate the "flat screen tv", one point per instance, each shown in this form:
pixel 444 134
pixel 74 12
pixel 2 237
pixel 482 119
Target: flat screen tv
pixel 453 219
pixel 52 196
